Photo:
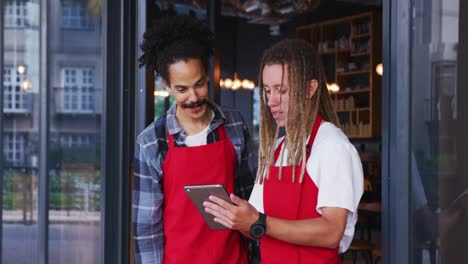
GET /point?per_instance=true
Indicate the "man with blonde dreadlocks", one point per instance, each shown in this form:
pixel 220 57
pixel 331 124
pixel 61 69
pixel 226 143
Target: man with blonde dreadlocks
pixel 304 204
pixel 194 142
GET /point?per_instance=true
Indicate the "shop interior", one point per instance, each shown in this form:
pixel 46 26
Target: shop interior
pixel 348 37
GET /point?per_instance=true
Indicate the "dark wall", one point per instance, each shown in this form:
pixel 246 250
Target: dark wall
pixel 242 44
pixel 242 56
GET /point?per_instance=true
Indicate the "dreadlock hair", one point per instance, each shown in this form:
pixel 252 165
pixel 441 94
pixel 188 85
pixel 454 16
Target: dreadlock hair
pixel 173 38
pixel 300 60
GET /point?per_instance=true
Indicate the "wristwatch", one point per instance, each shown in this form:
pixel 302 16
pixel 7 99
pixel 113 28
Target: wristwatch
pixel 258 229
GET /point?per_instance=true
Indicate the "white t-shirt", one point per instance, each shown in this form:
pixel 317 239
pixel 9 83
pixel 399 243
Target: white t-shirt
pixel 335 168
pixel 198 139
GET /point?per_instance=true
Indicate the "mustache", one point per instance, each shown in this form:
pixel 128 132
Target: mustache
pixel 195 104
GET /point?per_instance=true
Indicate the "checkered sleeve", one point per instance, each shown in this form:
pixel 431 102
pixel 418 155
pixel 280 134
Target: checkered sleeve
pixel 246 166
pixel 147 203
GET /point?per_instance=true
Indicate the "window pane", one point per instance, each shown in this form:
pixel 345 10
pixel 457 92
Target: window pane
pixel 76 15
pixel 79 89
pixel 438 176
pixel 16 14
pixel 162 102
pixel 256 115
pixel 75 175
pixel 74 158
pixel 20 132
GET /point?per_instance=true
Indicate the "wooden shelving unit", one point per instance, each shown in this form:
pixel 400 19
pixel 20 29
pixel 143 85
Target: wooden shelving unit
pixel 350 48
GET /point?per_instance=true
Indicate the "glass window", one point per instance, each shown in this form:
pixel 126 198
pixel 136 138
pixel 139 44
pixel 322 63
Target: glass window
pixel 13 147
pixel 15 87
pixel 16 13
pixel 75 134
pixel 256 115
pixel 78 84
pixel 439 189
pixel 75 16
pixel 20 131
pixel 162 99
pixel 75 76
pixel 73 140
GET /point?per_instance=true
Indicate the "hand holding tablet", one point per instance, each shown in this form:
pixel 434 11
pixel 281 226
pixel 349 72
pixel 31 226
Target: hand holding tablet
pixel 200 193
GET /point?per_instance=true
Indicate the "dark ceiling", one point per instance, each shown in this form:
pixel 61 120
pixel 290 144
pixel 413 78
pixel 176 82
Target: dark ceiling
pixel 264 11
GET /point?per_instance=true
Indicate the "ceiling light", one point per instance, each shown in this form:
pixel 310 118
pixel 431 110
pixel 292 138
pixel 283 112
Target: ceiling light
pixel 379 69
pixel 236 83
pixel 161 93
pixel 333 87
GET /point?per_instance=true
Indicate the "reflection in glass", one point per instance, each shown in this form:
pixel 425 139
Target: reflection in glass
pixel 75 48
pixel 162 101
pixel 76 77
pixel 20 131
pixel 256 115
pixel 438 200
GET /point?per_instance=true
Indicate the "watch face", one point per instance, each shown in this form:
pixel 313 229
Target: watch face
pixel 258 231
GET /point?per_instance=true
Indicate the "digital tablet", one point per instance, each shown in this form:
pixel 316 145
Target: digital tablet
pixel 200 193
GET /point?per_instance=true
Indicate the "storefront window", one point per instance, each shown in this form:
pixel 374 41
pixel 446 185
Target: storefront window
pixel 256 115
pixel 75 49
pixel 21 89
pixel 439 187
pixel 75 130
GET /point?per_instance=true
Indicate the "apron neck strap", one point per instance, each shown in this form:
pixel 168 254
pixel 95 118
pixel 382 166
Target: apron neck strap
pixel 221 131
pixel 318 121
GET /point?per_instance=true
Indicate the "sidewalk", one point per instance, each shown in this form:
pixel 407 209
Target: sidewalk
pixel 62 216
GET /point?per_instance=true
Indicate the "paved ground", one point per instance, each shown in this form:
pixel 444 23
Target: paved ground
pixel 73 238
pixel 68 244
pixel 55 216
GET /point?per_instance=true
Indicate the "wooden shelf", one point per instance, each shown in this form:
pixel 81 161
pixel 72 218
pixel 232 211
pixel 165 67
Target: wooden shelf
pixel 359 136
pixel 352 91
pixel 353 110
pixel 359 54
pixel 334 51
pixel 364 53
pixel 361 36
pixel 352 73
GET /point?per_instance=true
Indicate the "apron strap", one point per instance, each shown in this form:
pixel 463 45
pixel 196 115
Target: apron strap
pixel 170 139
pixel 221 132
pixel 318 121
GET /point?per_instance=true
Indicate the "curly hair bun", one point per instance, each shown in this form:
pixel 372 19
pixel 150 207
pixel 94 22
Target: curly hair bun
pixel 175 32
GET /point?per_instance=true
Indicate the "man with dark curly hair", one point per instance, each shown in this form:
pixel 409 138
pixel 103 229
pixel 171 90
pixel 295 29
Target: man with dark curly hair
pixel 195 142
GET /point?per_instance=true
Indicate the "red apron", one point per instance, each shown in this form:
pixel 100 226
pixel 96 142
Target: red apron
pixel 293 201
pixel 187 237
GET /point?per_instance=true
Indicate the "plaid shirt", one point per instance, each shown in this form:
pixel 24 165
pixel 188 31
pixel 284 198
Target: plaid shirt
pixel 150 151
